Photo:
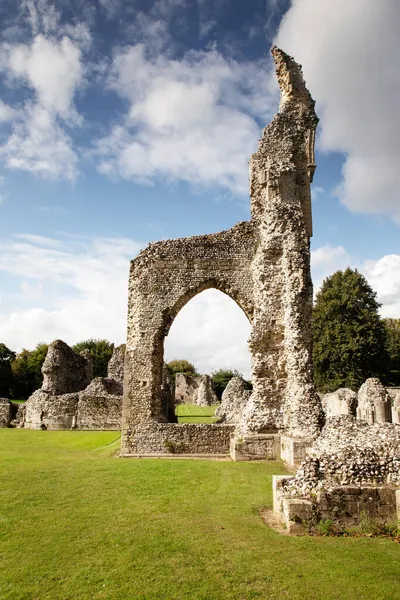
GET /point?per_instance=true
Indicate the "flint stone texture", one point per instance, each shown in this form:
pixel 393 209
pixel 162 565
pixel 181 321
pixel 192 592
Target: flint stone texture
pixel 205 394
pixel 185 388
pixel 263 265
pixel 64 371
pixel 341 402
pixel 374 402
pixel 115 368
pixel 5 412
pixel 394 394
pixel 350 452
pixel 234 398
pixel 18 414
pixel 47 410
pixel 97 406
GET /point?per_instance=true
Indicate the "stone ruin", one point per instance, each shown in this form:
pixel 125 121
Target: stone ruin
pixel 70 398
pixel 195 389
pixel 234 399
pixel 264 266
pixel 346 466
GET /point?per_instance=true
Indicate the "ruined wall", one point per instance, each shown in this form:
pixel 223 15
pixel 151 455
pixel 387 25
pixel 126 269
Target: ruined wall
pixel 180 438
pixel 374 402
pixel 5 412
pixel 264 265
pixel 185 387
pixel 115 367
pixel 64 371
pixel 234 399
pixel 341 402
pixel 46 410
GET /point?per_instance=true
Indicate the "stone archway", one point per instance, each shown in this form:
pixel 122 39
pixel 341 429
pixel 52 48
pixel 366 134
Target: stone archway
pixel 262 264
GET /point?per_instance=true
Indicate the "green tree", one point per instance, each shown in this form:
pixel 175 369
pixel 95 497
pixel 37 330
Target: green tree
pixel 6 375
pixel 100 350
pixel 221 378
pixel 392 327
pixel 181 366
pixel 348 334
pixel 27 370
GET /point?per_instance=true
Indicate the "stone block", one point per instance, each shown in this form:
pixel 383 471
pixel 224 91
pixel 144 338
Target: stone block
pixel 255 447
pixel 294 450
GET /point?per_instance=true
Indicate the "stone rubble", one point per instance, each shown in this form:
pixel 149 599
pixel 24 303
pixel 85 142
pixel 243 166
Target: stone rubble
pixel 341 402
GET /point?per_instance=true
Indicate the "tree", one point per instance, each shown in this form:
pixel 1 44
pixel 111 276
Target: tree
pixel 392 327
pixel 221 378
pixel 348 334
pixel 181 366
pixel 6 376
pixel 101 352
pixel 27 370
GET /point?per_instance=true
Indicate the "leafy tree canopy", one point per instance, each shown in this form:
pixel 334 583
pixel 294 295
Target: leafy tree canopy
pixel 181 366
pixel 27 371
pixel 392 327
pixel 6 376
pixel 349 335
pixel 100 351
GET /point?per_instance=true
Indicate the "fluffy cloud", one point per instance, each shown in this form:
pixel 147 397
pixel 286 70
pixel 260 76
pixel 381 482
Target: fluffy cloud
pixel 325 260
pixel 384 277
pixel 50 67
pixel 191 119
pixel 349 53
pixel 69 288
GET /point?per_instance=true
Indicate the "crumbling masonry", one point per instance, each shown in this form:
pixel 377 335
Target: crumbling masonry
pixel 264 266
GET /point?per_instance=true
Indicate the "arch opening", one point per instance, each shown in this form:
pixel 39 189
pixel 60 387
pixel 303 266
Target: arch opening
pixel 211 332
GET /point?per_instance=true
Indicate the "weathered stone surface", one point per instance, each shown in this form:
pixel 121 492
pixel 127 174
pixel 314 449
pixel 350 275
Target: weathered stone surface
pixel 394 394
pixel 115 369
pixel 350 452
pixel 264 265
pixel 102 386
pixel 180 438
pixel 185 388
pixel 341 402
pixel 205 394
pixel 48 411
pixel 374 403
pixel 64 371
pixel 234 398
pixel 5 412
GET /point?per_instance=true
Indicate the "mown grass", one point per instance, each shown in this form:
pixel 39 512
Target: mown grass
pixel 191 413
pixel 76 523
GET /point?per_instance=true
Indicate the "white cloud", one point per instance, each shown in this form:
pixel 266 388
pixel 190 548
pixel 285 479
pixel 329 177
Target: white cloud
pixel 80 289
pixel 190 119
pixel 349 55
pixel 212 332
pixel 325 260
pixel 50 66
pixel 384 277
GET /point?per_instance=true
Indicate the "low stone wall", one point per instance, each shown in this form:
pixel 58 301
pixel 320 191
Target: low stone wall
pixel 102 413
pixel 44 410
pixel 344 506
pixel 177 438
pixel 263 446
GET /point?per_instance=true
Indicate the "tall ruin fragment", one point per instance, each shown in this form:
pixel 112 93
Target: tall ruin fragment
pixel 264 266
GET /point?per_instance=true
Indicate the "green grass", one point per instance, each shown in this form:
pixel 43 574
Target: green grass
pixel 191 410
pixel 18 401
pixel 77 523
pixel 190 413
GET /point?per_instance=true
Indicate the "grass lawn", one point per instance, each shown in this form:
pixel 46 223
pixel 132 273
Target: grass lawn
pixel 78 524
pixel 190 413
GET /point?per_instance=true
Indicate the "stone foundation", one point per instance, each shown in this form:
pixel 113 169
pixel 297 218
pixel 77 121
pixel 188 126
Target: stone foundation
pixel 177 438
pixel 5 412
pixel 344 506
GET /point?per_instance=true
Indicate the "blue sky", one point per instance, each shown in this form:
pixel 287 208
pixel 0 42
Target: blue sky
pixel 127 122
